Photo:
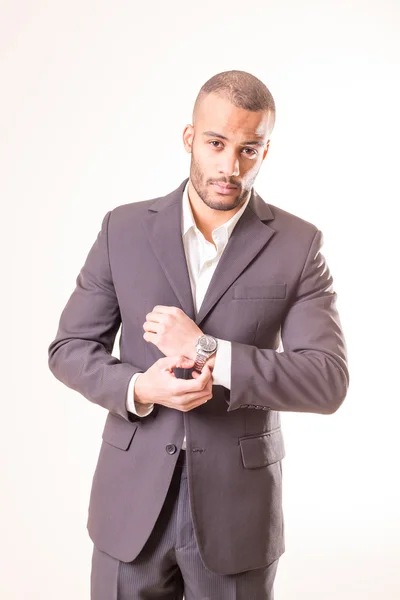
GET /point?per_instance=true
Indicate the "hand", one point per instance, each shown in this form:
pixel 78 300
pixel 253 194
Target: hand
pixel 158 385
pixel 210 362
pixel 172 331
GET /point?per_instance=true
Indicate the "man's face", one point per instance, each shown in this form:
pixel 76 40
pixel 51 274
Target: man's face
pixel 227 146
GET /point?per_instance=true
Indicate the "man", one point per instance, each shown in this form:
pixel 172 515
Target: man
pixel 207 282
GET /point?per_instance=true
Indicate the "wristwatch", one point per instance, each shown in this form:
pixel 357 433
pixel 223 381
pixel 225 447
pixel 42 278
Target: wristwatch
pixel 206 346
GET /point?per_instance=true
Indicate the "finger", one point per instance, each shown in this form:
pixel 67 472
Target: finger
pixel 191 401
pixel 206 373
pixel 167 310
pixel 198 382
pixel 177 361
pixel 204 398
pixel 153 317
pixel 152 327
pixel 196 374
pixel 150 337
pixel 185 363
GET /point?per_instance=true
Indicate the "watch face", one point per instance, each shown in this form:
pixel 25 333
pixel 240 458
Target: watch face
pixel 207 343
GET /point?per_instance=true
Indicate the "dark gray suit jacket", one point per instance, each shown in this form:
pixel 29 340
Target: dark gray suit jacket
pixel 271 281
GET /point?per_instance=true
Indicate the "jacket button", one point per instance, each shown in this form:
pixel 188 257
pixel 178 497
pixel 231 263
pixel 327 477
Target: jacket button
pixel 170 448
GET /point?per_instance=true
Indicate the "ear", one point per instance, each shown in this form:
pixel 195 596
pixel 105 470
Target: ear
pixel 188 134
pixel 266 149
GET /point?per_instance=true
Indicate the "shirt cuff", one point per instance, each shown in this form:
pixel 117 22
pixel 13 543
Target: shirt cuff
pixel 222 365
pixel 135 407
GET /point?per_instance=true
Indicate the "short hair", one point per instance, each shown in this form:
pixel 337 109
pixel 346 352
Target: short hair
pixel 242 89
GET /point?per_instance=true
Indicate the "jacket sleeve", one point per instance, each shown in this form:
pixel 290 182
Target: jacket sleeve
pixel 311 373
pixel 80 355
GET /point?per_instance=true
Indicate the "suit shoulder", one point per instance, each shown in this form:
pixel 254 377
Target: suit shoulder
pixel 124 211
pixel 286 219
pixel 127 216
pixel 292 225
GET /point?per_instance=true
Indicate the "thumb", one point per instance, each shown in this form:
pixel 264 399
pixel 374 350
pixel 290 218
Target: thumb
pixel 205 374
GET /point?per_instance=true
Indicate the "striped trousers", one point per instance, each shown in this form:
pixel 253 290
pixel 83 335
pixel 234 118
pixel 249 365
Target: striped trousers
pixel 169 566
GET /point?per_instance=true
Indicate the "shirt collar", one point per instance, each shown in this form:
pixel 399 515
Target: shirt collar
pixel 188 220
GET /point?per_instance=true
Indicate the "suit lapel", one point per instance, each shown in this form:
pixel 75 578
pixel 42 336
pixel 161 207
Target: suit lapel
pixel 248 238
pixel 164 228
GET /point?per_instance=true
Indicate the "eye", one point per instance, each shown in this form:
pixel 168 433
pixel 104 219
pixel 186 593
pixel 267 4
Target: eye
pixel 252 152
pixel 214 142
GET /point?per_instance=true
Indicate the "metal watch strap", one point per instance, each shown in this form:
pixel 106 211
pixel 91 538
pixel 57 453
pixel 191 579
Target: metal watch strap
pixel 200 362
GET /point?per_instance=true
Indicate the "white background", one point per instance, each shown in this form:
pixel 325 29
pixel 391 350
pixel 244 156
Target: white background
pixel 94 98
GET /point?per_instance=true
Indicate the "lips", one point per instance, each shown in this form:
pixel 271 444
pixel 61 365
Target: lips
pixel 226 186
pixel 224 189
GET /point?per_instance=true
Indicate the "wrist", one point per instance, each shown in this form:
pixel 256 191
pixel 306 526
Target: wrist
pixel 191 351
pixel 139 392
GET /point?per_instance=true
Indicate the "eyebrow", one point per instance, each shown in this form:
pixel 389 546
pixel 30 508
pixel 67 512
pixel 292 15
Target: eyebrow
pixel 223 137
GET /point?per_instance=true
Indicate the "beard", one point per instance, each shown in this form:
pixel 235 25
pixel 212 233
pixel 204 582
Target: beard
pixel 207 193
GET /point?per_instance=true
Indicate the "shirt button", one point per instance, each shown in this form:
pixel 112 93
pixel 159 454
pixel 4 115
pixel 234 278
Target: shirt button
pixel 170 448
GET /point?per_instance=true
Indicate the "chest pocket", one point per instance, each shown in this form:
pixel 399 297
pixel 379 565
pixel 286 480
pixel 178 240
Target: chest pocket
pixel 259 292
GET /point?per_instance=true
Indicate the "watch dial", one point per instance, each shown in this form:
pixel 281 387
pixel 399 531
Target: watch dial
pixel 208 343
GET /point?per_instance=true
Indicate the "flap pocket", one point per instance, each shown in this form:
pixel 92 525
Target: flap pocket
pixel 253 292
pixel 262 450
pixel 118 431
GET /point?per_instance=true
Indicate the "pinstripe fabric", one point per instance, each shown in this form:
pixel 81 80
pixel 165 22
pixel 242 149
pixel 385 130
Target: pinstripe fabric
pixel 169 567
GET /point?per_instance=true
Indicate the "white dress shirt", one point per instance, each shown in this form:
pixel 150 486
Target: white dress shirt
pixel 202 258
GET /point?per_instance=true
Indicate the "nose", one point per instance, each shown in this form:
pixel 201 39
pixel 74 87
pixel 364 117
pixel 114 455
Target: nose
pixel 229 165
